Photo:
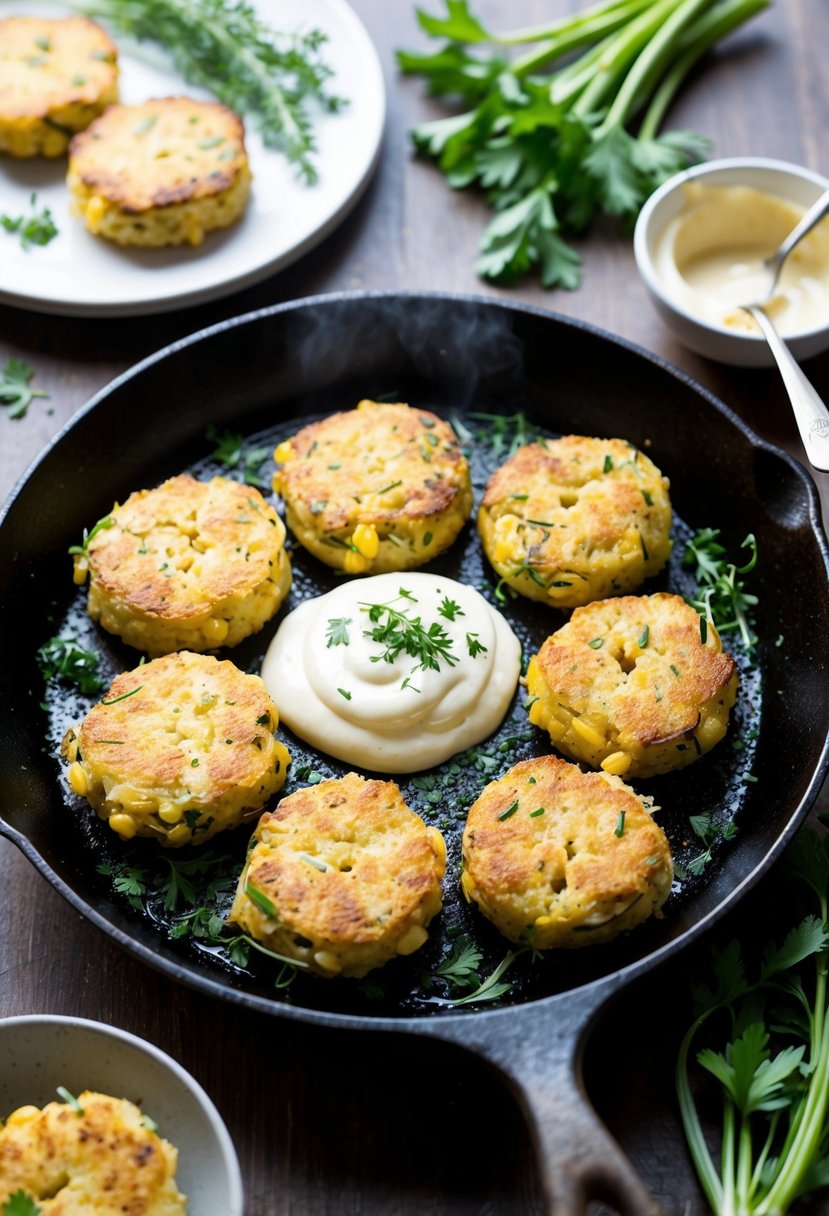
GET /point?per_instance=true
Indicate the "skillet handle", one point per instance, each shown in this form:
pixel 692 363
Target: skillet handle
pixel 537 1049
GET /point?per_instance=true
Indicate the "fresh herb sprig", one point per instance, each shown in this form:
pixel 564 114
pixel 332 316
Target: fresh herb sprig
pixel 272 77
pixel 15 392
pixel 503 434
pixel 66 659
pixel 39 228
pixel 721 596
pixel 552 152
pixel 773 1067
pixel 709 831
pixel 231 451
pixel 461 971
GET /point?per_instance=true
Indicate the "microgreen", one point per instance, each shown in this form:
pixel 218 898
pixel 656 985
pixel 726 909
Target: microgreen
pixel 279 80
pixel 66 659
pixel 15 393
pixel 771 1059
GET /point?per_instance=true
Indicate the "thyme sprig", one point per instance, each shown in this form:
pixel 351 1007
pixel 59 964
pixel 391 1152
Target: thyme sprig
pixel 273 77
pixel 721 596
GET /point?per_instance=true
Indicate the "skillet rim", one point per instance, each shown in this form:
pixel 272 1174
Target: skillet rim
pixel 181 972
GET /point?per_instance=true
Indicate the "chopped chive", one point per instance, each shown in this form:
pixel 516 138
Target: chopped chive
pixel 675 670
pixel 643 637
pixel 519 497
pixel 645 553
pixel 596 643
pixel 391 486
pixel 69 1099
pixel 312 861
pixel 541 523
pixel 620 826
pixel 538 811
pixel 427 540
pixel 261 900
pixel 646 494
pixel 123 696
pixel 344 693
pixel 511 809
pixel 608 464
pixel 145 125
pixel 703 630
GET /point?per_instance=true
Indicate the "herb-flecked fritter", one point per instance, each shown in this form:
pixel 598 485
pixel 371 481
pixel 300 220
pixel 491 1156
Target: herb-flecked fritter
pixel 557 857
pixel 56 76
pixel 637 685
pixel 566 521
pixel 165 172
pixel 96 1156
pixel 190 565
pixel 375 489
pixel 180 748
pixel 342 877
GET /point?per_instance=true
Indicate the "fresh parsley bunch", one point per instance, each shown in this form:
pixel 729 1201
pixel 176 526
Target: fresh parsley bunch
pixel 771 1061
pixel 552 151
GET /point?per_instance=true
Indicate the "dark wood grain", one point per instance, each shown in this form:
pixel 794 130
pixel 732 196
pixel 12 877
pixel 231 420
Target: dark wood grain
pixel 328 1122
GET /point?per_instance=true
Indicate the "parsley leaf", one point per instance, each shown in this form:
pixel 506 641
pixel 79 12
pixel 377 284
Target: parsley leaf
pixel 39 228
pixel 14 387
pixel 66 659
pixel 20 1204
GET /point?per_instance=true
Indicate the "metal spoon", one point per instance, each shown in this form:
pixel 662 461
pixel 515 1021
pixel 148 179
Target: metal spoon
pixel 810 412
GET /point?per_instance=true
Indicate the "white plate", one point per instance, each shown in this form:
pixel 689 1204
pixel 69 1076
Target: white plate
pixel 77 274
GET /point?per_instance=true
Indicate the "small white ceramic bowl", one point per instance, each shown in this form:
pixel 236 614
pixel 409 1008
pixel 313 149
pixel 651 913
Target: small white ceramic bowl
pixel 38 1053
pixel 792 183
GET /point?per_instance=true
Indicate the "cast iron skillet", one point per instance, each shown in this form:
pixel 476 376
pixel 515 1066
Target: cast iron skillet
pixel 318 355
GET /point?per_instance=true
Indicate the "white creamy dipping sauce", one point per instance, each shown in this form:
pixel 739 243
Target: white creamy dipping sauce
pixel 394 673
pixel 710 259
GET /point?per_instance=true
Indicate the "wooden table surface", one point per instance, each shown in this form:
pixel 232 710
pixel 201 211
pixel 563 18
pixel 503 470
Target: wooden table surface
pixel 335 1122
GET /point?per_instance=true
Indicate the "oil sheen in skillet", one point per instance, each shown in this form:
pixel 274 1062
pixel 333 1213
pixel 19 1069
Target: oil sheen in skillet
pixel 394 673
pixel 136 875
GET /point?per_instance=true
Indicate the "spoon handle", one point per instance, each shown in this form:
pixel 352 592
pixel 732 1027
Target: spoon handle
pixel 810 412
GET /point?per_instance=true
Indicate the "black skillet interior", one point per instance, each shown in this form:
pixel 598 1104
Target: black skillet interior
pixel 259 374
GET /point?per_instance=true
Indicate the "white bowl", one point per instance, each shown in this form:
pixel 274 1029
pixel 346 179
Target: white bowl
pixel 792 183
pixel 38 1053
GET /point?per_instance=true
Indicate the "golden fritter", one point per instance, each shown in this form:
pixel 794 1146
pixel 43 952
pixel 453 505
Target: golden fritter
pixel 180 748
pixel 566 521
pixel 342 877
pixel 379 488
pixel 189 565
pixel 56 76
pixel 557 857
pixel 637 685
pixel 161 173
pixel 96 1156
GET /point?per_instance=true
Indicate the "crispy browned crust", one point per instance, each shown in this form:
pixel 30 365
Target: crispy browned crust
pixel 572 862
pixel 392 864
pixel 663 704
pixel 70 62
pixel 224 516
pixel 101 1149
pixel 432 467
pixel 161 153
pixel 132 738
